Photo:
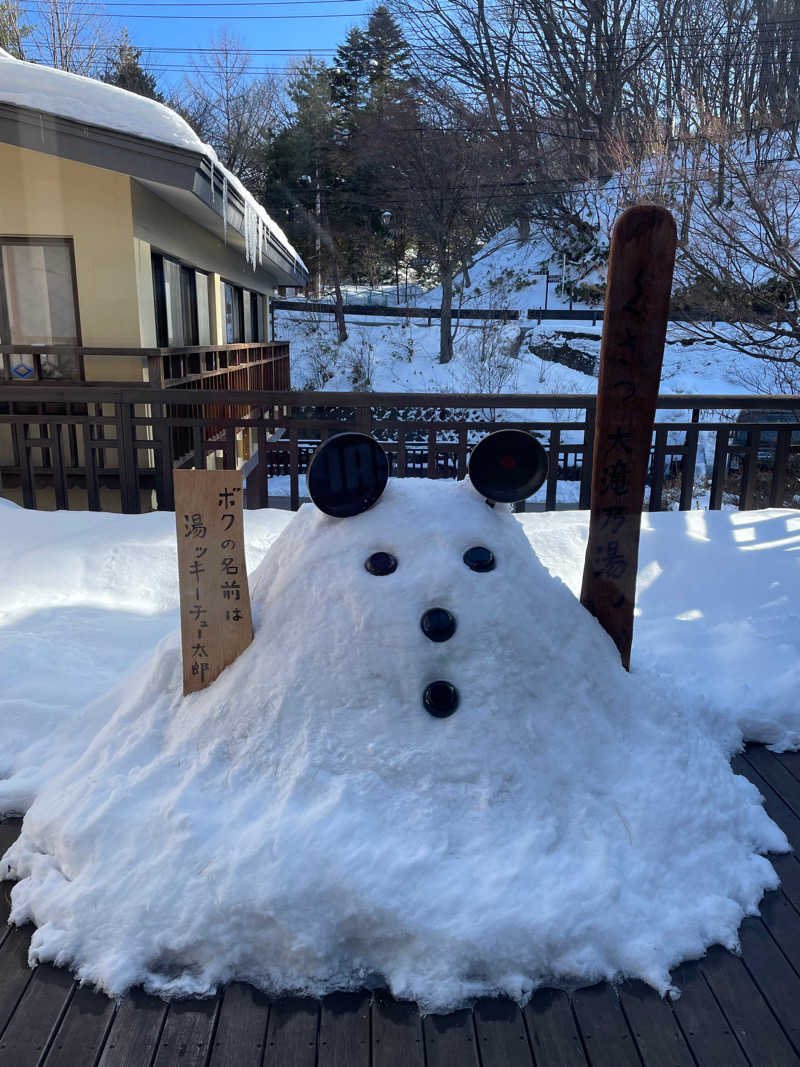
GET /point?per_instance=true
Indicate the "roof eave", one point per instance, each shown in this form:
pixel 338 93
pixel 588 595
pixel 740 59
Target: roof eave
pixel 152 161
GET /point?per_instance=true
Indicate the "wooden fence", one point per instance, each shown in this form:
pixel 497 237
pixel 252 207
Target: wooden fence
pixel 113 447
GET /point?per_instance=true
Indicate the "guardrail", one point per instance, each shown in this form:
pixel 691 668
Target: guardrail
pixel 62 444
pixel 325 307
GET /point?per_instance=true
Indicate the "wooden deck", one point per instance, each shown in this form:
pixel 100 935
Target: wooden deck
pixel 734 1010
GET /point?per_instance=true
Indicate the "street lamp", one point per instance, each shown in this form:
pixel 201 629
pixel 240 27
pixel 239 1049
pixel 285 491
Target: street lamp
pixel 386 218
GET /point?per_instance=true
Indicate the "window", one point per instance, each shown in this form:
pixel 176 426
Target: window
pixel 258 317
pixel 233 313
pixel 38 301
pixel 247 316
pixel 203 322
pixel 175 292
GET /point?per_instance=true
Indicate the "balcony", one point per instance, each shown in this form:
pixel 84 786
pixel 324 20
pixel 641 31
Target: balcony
pixel 259 365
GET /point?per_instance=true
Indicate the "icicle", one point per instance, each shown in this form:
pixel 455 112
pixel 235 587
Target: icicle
pixel 213 197
pixel 225 207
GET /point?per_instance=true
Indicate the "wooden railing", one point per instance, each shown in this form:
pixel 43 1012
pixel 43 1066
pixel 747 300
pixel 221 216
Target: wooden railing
pixel 262 365
pixel 66 437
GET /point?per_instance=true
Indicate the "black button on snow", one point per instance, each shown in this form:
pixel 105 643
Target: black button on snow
pixel 381 563
pixel 438 624
pixel 440 699
pixel 479 559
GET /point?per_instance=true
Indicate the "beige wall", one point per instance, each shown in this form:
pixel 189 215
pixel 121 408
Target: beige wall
pixel 43 195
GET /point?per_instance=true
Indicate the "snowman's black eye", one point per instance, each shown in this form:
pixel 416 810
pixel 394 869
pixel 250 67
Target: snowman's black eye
pixel 381 563
pixel 479 558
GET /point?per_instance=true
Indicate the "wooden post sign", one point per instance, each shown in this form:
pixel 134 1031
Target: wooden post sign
pixel 216 624
pixel 634 331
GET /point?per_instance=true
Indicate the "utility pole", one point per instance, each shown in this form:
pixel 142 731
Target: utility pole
pixel 318 249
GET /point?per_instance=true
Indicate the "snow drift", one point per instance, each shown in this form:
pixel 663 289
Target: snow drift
pixel 304 824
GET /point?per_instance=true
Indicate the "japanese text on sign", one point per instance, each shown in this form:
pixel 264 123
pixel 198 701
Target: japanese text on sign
pixel 216 623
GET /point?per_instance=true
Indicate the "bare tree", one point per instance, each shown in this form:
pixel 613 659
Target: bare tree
pixel 236 112
pixel 13 30
pixel 70 35
pixel 471 57
pixel 743 264
pixel 453 180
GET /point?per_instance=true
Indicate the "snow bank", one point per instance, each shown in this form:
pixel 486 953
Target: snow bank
pixel 305 825
pixel 86 597
pixel 717 612
pixel 57 92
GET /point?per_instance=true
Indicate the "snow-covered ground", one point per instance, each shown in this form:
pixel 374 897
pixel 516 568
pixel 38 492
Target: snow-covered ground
pixel 393 358
pixel 304 824
pixel 406 359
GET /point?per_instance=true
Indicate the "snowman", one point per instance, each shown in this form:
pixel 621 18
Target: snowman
pixel 429 771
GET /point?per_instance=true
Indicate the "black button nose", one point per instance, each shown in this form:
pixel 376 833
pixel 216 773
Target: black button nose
pixel 440 699
pixel 438 624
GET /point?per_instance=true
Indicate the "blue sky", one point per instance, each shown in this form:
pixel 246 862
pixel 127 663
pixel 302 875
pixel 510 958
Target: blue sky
pixel 281 30
pixel 291 28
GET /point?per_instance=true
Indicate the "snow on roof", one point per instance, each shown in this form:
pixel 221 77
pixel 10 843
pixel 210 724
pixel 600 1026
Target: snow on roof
pixel 72 96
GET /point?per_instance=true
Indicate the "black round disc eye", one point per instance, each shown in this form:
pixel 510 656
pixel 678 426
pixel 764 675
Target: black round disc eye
pixel 381 563
pixel 347 474
pixel 479 559
pixel 440 699
pixel 438 624
pixel 507 466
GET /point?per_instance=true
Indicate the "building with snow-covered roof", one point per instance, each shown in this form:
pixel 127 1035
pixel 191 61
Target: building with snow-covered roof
pixel 120 229
pixel 127 251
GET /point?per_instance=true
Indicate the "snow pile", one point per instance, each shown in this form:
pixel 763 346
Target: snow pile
pixel 58 92
pixel 86 596
pixel 304 824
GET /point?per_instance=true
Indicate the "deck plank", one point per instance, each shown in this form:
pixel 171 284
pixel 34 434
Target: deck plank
pixel 773 771
pixel 241 1034
pixel 83 1029
pixel 15 974
pixel 37 1017
pixel 5 908
pixel 396 1033
pixel 554 1035
pixel 606 1035
pixel 707 1031
pixel 187 1033
pixel 9 832
pixel 756 1028
pixel 783 922
pixel 134 1033
pixel 502 1037
pixel 450 1040
pixel 791 761
pixel 788 869
pixel 344 1039
pixel 775 806
pixel 292 1033
pixel 655 1028
pixel 775 977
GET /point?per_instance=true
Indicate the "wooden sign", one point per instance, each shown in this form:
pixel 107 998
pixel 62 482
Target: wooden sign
pixel 634 331
pixel 216 623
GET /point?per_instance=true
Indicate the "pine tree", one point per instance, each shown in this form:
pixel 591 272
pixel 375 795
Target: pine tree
pixel 124 69
pixel 12 31
pixel 388 55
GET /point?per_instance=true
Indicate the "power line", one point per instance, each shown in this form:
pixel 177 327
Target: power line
pixel 216 3
pixel 238 18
